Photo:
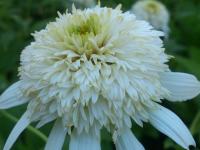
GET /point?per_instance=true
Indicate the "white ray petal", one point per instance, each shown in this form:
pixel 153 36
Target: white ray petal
pixel 182 86
pixel 46 119
pixel 85 141
pixel 169 124
pixel 17 130
pixel 127 141
pixel 57 137
pixel 12 97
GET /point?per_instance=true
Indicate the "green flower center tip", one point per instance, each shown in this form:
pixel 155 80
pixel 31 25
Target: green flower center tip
pixel 84 29
pixel 152 7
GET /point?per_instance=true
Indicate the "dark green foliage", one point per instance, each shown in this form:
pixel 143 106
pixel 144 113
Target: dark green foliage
pixel 18 19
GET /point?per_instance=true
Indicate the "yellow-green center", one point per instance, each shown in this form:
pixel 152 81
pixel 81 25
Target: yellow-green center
pixel 83 30
pixel 83 27
pixel 152 7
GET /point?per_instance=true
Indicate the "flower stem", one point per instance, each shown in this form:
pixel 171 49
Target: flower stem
pixel 29 128
pixel 195 124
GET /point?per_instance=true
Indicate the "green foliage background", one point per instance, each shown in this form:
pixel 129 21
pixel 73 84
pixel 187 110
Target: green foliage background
pixel 20 18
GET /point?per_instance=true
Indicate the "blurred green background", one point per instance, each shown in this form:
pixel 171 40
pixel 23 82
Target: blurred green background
pixel 18 19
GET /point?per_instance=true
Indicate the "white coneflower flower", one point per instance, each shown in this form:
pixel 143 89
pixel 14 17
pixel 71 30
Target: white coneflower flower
pixel 98 68
pixel 154 12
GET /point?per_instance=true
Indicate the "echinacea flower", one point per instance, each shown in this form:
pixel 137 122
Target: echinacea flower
pixel 98 68
pixel 154 12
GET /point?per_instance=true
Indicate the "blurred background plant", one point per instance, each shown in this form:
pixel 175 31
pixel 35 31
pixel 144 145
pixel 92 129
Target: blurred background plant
pixel 18 19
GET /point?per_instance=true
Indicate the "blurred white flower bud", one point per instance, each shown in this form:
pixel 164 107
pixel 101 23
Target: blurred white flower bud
pixel 154 12
pixel 85 3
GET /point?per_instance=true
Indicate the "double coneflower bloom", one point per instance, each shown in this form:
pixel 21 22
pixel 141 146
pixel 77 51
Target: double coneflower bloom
pixel 98 68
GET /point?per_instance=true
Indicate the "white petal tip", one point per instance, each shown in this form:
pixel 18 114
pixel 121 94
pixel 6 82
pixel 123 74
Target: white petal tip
pixel 181 86
pixel 126 141
pixel 169 124
pixel 12 97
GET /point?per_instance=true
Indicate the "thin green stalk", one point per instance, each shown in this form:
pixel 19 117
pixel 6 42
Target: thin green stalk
pixel 195 123
pixel 29 128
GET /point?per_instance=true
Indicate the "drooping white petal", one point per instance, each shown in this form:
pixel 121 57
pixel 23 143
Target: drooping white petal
pixel 18 129
pixel 84 141
pixel 12 97
pixel 56 137
pixel 169 124
pixel 127 141
pixel 182 86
